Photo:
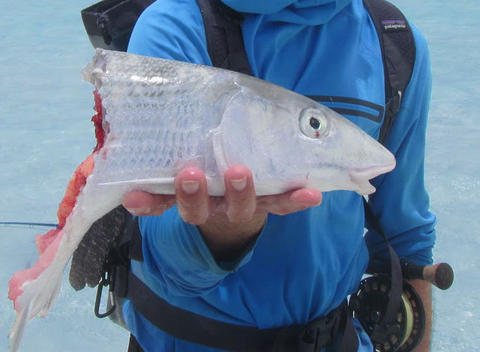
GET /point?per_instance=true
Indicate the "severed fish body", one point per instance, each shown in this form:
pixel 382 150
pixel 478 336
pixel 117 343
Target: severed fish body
pixel 156 117
pixel 162 116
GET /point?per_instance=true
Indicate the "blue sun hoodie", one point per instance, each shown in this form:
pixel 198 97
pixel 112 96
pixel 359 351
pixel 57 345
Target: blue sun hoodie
pixel 305 264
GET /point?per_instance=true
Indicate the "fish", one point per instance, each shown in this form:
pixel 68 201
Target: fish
pixel 154 117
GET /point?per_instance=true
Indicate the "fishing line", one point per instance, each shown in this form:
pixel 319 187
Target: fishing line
pixel 28 224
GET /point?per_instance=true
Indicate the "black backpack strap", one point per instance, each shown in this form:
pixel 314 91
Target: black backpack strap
pixel 380 333
pixel 109 23
pixel 398 53
pixel 224 36
pixel 188 326
pixel 133 345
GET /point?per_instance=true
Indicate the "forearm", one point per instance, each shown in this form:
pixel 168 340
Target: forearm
pixel 424 289
pixel 228 240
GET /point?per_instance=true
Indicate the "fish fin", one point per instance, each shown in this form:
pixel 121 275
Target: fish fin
pixel 144 181
pixel 34 290
pixel 218 150
pixel 365 188
pixel 43 241
pixel 18 328
pixel 37 298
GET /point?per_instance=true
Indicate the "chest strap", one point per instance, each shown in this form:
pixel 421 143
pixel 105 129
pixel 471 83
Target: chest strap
pixel 199 329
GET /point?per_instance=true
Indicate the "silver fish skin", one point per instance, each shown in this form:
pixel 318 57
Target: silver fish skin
pixel 160 116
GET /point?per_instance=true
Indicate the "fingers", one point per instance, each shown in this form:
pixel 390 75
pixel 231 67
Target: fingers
pixel 143 204
pixel 240 197
pixel 240 203
pixel 290 202
pixel 306 197
pixel 193 200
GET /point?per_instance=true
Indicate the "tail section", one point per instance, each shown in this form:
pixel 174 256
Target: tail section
pixel 36 298
pixel 75 185
pixel 18 328
pixel 24 277
pixel 45 240
pixel 34 290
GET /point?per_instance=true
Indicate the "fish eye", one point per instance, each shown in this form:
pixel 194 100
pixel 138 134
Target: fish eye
pixel 313 123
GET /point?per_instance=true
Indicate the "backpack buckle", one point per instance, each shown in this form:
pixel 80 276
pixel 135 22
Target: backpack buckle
pixel 320 332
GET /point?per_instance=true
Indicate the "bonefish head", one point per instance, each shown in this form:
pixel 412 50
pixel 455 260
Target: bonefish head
pixel 286 137
pixel 342 154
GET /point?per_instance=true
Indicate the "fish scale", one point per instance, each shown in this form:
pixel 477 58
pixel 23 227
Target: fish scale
pixel 137 135
pixel 134 127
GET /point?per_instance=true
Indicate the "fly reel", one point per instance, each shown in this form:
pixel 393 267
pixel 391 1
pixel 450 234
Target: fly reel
pixel 369 306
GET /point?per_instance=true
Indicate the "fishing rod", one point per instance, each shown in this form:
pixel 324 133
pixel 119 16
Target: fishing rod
pixel 29 224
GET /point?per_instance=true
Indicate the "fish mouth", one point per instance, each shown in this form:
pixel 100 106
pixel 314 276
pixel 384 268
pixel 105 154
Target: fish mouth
pixel 361 177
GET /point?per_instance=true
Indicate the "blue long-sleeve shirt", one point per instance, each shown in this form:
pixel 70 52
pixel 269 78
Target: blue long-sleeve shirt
pixel 304 264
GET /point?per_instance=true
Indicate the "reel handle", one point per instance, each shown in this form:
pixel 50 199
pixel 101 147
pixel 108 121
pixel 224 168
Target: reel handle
pixel 441 274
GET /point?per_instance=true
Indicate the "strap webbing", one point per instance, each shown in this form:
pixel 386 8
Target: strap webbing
pixel 224 36
pixel 192 327
pixel 398 54
pixel 133 345
pixel 396 288
pixel 202 330
pixel 109 23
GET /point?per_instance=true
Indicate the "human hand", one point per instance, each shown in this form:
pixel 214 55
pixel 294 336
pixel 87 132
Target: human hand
pixel 239 203
pixel 225 222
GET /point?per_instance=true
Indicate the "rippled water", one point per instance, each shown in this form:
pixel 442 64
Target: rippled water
pixel 45 132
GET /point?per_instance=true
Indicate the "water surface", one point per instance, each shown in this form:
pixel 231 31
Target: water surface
pixel 45 132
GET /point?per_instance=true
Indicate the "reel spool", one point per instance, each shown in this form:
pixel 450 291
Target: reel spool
pixel 369 306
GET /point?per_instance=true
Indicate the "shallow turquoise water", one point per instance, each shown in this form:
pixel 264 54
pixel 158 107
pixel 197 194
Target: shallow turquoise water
pixel 46 131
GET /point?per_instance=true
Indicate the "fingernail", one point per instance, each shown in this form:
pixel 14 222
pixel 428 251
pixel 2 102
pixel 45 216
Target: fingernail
pixel 139 211
pixel 239 184
pixel 190 186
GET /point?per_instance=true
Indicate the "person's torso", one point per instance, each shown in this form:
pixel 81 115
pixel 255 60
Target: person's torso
pixel 304 264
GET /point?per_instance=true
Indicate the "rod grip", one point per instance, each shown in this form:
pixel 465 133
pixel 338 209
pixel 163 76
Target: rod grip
pixel 441 275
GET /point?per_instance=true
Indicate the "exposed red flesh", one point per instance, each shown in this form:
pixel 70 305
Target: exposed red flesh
pixel 48 243
pixel 98 121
